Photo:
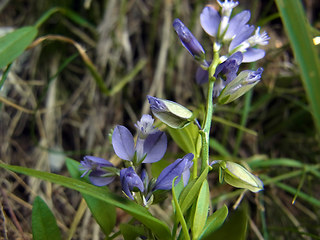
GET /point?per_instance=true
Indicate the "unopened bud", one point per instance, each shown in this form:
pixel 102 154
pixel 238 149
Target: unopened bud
pixel 237 176
pixel 170 113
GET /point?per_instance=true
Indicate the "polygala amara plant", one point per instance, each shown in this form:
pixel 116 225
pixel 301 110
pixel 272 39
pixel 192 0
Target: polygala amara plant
pixel 224 86
pixel 234 42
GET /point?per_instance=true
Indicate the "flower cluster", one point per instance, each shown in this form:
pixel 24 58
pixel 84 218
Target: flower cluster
pixel 239 38
pixel 231 33
pixel 150 147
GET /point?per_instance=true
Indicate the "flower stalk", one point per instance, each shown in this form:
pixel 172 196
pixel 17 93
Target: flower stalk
pixel 205 133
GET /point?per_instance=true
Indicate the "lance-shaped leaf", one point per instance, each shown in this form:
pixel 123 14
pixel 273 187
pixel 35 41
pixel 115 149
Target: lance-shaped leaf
pixel 201 211
pixel 214 222
pixel 44 225
pixel 13 44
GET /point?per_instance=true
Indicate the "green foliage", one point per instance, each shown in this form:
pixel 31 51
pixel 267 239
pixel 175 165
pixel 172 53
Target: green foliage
pixel 234 228
pixel 214 222
pixel 277 108
pixel 304 51
pixel 44 225
pixel 135 210
pixel 190 192
pixel 130 232
pixel 201 210
pixel 13 44
pixel 187 138
pixel 179 214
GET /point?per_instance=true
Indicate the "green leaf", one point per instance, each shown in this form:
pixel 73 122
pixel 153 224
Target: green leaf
pixel 201 212
pixel 179 213
pixel 234 228
pixel 295 22
pixel 44 225
pixel 13 44
pixel 190 193
pixel 187 138
pixel 103 213
pixel 140 213
pixel 214 222
pixel 130 232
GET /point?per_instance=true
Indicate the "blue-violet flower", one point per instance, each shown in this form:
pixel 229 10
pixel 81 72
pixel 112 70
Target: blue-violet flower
pixel 150 147
pixel 130 182
pixel 178 168
pixel 98 175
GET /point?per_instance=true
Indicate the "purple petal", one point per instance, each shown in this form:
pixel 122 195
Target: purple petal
pixel 155 147
pixel 253 54
pixel 185 177
pixel 124 183
pixel 97 179
pixel 210 20
pixel 145 126
pixel 255 76
pixel 229 67
pixel 243 35
pixel 99 161
pixel 144 176
pixel 187 39
pixel 130 181
pixel 122 142
pixel 175 169
pixel 236 24
pixel 202 76
pixel 156 104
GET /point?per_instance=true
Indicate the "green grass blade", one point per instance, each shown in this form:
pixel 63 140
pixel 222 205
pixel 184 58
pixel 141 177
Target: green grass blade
pixel 300 194
pixel 234 125
pixel 297 27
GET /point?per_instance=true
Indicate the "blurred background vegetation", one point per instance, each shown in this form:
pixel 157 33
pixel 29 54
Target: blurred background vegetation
pixel 58 101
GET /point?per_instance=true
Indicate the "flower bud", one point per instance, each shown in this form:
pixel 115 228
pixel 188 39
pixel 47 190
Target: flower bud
pixel 237 176
pixel 189 41
pixel 170 113
pixel 240 85
pixel 130 182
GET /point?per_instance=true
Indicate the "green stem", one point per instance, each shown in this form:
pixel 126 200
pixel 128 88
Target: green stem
pixel 205 133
